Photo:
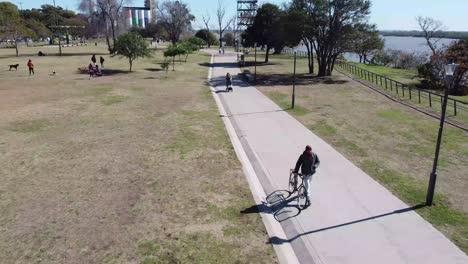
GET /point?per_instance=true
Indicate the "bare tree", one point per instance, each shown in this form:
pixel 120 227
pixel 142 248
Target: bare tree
pixel 110 11
pixel 175 18
pixel 432 30
pixel 206 20
pixel 223 23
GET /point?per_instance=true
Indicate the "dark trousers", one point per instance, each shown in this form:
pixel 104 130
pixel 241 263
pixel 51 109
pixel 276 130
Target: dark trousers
pixel 31 70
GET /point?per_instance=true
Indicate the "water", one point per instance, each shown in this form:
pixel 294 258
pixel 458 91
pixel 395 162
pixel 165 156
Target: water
pixel 406 44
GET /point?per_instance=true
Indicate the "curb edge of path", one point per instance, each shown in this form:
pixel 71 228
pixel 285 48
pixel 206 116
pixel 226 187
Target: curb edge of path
pixel 284 252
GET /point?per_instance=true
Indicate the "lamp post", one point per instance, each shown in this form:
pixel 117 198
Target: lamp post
pixel 294 82
pixel 255 66
pixel 449 71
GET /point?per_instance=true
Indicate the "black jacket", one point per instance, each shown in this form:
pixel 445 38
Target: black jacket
pixel 307 164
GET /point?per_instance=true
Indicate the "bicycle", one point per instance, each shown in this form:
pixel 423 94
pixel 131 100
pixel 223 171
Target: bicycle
pixel 302 197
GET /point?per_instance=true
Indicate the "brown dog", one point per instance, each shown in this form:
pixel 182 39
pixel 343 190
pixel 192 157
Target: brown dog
pixel 14 66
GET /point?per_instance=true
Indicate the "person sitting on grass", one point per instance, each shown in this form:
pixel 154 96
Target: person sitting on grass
pixel 91 71
pixel 97 71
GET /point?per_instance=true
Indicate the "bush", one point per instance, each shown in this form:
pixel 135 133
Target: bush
pixel 197 41
pixel 208 37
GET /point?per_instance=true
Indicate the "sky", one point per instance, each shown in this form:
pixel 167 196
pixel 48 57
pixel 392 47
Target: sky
pixel 387 14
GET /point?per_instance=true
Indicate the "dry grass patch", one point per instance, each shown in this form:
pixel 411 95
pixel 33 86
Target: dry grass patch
pixel 126 168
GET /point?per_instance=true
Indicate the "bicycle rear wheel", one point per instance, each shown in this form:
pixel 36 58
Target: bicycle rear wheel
pixel 301 197
pixel 292 182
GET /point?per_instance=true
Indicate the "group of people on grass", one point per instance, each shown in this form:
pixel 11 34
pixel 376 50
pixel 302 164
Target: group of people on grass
pixel 93 68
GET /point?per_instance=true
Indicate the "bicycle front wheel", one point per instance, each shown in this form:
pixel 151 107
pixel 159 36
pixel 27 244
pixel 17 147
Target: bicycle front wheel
pixel 292 182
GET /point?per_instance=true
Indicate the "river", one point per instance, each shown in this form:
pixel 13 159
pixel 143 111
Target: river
pixel 407 44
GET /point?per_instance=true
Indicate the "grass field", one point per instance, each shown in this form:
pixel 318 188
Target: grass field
pixel 404 76
pixel 126 168
pixel 392 143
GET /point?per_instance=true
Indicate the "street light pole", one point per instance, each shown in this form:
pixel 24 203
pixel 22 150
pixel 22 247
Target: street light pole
pixel 449 71
pixel 294 83
pixel 255 66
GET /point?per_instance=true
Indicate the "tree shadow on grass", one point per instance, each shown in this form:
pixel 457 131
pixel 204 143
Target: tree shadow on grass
pixel 281 79
pixel 153 69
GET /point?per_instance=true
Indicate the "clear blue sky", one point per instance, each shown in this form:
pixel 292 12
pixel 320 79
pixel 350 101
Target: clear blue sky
pixel 387 14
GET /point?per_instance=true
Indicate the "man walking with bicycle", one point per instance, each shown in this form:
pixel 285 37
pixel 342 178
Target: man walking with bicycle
pixel 308 162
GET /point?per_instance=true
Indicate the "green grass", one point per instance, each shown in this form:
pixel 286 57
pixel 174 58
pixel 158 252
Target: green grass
pixel 395 115
pixel 284 101
pixel 113 99
pixel 29 126
pixel 421 100
pixel 323 128
pixel 401 75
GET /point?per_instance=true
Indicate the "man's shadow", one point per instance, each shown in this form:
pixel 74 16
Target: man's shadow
pixel 281 204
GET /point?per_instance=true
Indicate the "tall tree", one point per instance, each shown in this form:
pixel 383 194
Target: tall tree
pixel 367 42
pixel 297 27
pixel 266 29
pixel 176 18
pixel 12 25
pixel 335 22
pixel 223 22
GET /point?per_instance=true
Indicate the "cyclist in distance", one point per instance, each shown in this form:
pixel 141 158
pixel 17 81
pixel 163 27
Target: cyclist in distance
pixel 308 162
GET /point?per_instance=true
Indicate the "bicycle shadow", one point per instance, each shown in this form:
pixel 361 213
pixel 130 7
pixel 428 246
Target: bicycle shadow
pixel 279 203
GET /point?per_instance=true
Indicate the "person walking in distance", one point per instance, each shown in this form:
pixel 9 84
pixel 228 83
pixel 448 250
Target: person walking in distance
pixel 101 60
pixel 30 67
pixel 228 82
pixel 308 162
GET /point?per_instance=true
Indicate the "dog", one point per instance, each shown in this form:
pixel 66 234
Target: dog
pixel 229 88
pixel 14 66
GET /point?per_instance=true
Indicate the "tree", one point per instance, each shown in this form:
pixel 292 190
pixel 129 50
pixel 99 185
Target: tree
pixel 223 23
pixel 39 29
pixel 132 46
pixel 335 22
pixel 110 11
pixel 229 39
pixel 207 36
pixel 458 52
pixel 297 27
pixel 172 51
pixel 197 42
pixel 11 25
pixel 430 72
pixel 367 42
pixel 176 18
pixel 206 20
pixel 188 48
pixel 432 30
pixel 266 28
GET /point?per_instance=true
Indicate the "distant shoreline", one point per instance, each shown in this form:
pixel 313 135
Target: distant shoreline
pixel 415 33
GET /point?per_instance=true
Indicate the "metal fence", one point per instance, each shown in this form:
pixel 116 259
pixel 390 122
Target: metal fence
pixel 403 90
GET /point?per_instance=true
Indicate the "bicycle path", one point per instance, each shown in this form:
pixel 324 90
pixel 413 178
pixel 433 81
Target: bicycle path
pixel 352 218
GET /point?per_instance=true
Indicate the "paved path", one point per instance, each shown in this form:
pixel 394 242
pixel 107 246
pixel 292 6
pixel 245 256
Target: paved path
pixel 352 218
